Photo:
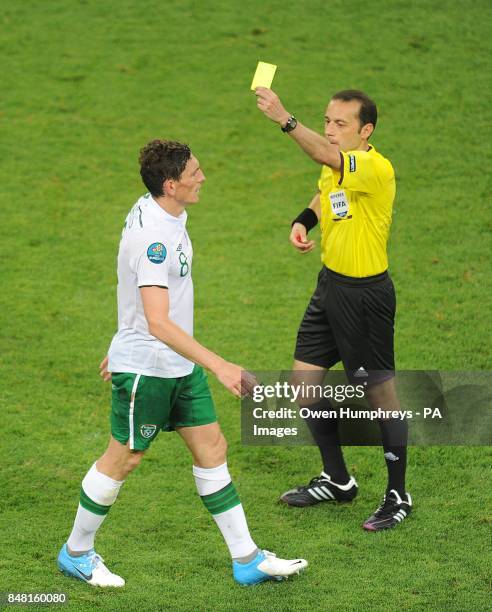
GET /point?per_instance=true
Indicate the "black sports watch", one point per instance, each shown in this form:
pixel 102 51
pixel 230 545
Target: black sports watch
pixel 290 125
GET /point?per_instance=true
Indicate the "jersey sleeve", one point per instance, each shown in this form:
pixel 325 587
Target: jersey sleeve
pixel 358 172
pixel 152 265
pixel 325 179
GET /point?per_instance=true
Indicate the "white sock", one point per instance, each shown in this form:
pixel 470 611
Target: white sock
pixel 221 499
pixel 98 494
pixel 84 530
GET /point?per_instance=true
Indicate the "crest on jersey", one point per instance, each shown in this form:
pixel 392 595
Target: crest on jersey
pixel 339 203
pixel 157 252
pixel 352 164
pixel 148 431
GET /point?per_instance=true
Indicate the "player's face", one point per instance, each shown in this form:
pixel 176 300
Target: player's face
pixel 342 125
pixel 191 179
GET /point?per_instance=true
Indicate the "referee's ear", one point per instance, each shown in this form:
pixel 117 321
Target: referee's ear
pixel 367 130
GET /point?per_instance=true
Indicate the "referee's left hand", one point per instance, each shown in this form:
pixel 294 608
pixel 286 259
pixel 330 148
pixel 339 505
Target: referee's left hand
pixel 298 239
pixel 269 103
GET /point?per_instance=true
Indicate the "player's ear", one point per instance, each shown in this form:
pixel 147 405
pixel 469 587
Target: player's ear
pixel 367 130
pixel 169 187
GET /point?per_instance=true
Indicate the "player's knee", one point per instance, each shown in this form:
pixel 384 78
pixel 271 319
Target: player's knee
pixel 212 454
pixel 217 451
pixel 131 461
pixel 222 449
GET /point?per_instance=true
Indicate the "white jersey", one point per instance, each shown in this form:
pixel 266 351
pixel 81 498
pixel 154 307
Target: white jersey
pixel 155 249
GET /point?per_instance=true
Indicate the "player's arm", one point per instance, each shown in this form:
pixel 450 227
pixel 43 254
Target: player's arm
pixel 305 221
pixel 313 144
pixel 155 302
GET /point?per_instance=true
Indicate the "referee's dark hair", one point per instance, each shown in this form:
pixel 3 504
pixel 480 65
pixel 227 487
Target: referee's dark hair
pixel 161 160
pixel 368 110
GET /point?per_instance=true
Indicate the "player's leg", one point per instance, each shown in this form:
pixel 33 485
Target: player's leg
pixel 214 484
pixel 208 447
pixel 99 490
pixel 334 482
pixel 132 406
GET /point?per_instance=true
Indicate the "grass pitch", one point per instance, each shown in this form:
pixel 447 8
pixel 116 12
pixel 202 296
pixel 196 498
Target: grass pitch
pixel 85 85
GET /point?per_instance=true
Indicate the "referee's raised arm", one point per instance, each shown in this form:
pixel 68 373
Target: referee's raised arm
pixel 318 148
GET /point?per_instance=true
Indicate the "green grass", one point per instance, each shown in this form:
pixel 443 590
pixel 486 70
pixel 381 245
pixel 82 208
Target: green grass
pixel 85 85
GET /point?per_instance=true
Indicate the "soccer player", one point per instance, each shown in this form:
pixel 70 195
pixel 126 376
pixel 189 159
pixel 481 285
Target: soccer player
pixel 158 380
pixel 350 317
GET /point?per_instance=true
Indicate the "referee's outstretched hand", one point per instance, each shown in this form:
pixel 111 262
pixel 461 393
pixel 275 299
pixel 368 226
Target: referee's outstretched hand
pixel 270 104
pixel 298 239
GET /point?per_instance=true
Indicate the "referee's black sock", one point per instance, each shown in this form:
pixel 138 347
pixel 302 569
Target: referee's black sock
pixel 394 433
pixel 325 434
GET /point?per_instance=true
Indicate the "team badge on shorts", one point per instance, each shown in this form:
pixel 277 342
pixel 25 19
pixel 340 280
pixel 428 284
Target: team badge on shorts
pixel 148 431
pixel 157 252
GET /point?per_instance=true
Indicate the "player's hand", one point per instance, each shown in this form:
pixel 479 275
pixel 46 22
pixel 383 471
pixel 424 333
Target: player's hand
pixel 238 381
pixel 229 374
pixel 103 370
pixel 298 239
pixel 269 103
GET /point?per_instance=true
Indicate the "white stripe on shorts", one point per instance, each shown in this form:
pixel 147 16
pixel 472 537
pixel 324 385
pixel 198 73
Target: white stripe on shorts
pixel 132 406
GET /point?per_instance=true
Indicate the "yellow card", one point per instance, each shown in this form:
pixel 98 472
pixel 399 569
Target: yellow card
pixel 264 75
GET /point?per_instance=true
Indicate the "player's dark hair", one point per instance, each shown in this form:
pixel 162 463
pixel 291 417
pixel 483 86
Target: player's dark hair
pixel 161 160
pixel 368 110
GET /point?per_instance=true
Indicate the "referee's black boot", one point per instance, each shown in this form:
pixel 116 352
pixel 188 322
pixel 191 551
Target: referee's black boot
pixel 393 510
pixel 320 489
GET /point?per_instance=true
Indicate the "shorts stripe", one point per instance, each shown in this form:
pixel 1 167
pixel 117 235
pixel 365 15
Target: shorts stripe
pixel 132 408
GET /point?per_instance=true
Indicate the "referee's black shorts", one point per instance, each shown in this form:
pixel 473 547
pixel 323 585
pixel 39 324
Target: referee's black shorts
pixel 350 320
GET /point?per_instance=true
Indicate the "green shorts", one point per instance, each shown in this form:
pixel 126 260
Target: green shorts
pixel 143 405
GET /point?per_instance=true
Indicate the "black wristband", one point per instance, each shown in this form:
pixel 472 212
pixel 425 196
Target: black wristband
pixel 308 218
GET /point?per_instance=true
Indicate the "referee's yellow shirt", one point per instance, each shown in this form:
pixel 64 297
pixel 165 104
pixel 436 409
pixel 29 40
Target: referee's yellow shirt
pixel 356 207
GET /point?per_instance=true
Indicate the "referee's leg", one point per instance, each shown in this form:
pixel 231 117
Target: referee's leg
pixel 323 430
pixel 362 314
pixel 334 482
pixel 394 434
pixel 316 351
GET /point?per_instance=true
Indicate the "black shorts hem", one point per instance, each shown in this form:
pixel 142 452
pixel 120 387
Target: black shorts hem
pixel 316 361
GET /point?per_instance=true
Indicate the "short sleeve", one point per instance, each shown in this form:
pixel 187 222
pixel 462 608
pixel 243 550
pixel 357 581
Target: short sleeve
pixel 152 265
pixel 325 179
pixel 358 172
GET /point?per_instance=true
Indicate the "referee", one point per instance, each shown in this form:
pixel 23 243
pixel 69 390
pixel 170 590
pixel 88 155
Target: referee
pixel 350 317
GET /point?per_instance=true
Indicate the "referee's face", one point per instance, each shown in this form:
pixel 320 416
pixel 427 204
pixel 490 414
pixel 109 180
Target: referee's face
pixel 190 181
pixel 342 125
